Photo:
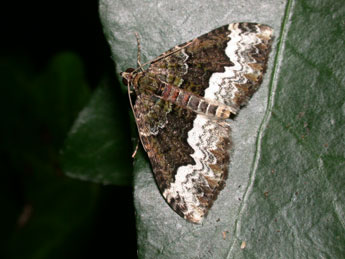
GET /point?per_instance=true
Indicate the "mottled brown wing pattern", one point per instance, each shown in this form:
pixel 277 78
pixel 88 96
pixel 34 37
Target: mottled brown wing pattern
pixel 166 145
pixel 170 151
pixel 229 61
pixel 189 151
pixel 194 64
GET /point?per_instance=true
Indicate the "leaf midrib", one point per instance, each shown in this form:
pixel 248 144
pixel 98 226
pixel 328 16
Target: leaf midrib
pixel 270 103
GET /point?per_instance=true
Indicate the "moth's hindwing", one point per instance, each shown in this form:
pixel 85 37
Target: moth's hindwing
pixel 185 136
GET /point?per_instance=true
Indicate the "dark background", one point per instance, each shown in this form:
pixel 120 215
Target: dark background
pixel 45 214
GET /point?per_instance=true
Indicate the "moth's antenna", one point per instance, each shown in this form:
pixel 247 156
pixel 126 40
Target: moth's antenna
pixel 139 52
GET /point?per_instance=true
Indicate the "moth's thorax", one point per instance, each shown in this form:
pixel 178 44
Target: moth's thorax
pixel 146 83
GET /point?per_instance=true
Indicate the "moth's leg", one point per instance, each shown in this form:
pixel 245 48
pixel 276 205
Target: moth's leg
pixel 136 149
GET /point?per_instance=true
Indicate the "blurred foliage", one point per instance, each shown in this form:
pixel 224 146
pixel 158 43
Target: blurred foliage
pixel 52 56
pixel 45 214
pixel 98 147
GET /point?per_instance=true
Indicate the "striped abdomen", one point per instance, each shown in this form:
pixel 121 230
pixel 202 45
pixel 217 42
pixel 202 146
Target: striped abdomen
pixel 196 103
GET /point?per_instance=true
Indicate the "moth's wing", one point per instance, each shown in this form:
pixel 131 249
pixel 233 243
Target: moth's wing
pixel 188 154
pixel 226 64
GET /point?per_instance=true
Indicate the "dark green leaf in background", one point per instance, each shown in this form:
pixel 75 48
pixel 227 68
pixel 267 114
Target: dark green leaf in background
pixel 284 195
pixel 43 211
pixel 98 147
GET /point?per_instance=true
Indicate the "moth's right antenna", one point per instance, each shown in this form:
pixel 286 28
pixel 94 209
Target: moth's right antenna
pixel 139 52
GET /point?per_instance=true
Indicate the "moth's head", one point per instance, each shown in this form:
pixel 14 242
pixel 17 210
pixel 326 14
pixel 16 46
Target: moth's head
pixel 127 76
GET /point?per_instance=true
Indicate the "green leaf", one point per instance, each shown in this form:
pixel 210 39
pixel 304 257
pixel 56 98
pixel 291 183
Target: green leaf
pixel 284 195
pixel 98 146
pixel 42 210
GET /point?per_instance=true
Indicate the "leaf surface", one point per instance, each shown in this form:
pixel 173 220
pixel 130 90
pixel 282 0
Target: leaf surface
pixel 283 198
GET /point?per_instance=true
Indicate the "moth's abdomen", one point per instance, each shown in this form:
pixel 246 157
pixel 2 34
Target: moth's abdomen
pixel 196 103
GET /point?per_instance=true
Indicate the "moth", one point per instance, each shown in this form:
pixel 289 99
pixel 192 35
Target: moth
pixel 184 102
